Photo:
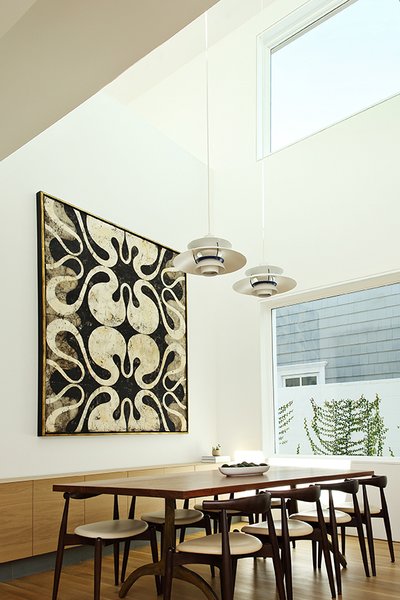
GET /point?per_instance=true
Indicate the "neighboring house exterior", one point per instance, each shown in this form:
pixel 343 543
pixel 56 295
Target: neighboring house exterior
pixel 352 337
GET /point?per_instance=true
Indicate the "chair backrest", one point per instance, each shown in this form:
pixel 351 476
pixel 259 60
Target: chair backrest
pixel 348 486
pixel 75 496
pixel 379 481
pixel 68 496
pixel 308 494
pixel 290 498
pixel 258 504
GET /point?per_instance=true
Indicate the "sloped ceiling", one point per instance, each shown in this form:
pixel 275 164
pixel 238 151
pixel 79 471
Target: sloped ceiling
pixel 54 54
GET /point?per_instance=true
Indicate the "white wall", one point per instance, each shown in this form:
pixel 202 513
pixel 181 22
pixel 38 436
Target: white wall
pixel 110 163
pixel 342 186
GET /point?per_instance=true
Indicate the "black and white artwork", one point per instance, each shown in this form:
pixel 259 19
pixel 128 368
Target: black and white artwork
pixel 112 328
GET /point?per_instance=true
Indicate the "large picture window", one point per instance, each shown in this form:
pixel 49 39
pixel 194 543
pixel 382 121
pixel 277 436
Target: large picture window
pixel 337 374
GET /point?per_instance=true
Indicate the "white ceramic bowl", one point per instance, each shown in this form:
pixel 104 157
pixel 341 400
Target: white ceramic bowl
pixel 241 471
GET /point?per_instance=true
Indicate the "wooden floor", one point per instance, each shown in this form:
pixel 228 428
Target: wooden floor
pixel 255 580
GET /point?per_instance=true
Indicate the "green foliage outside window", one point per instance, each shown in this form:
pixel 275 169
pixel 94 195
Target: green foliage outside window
pixel 347 427
pixel 285 415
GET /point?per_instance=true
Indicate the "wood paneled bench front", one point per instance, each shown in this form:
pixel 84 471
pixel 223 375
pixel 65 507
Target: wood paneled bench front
pixel 30 512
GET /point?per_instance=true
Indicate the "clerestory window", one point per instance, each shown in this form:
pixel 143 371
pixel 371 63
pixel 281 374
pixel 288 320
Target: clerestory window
pixel 326 65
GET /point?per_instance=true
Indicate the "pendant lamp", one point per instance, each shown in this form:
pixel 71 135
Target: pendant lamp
pixel 264 280
pixel 210 255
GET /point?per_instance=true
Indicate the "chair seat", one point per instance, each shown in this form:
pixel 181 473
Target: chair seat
pixel 113 529
pixel 240 543
pixel 311 516
pixel 348 507
pixel 296 528
pixel 183 516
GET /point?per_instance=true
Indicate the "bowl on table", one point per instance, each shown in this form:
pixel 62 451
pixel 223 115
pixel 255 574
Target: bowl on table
pixel 242 469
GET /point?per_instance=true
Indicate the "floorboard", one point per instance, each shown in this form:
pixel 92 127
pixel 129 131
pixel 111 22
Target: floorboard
pixel 255 580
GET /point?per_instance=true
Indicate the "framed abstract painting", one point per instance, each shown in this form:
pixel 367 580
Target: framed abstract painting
pixel 112 328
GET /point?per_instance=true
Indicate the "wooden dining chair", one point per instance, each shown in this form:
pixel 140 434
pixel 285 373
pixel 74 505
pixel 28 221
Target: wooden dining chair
pixel 334 518
pixel 224 549
pixel 288 529
pixel 214 514
pixel 100 534
pixel 184 517
pixel 370 511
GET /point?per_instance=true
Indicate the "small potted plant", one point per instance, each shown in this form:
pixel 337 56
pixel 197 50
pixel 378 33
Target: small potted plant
pixel 216 450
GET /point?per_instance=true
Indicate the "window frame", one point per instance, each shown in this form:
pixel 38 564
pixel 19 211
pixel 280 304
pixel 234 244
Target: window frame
pixel 269 374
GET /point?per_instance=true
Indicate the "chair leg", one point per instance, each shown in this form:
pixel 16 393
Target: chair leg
pixel 207 528
pixel 162 554
pixel 57 570
pixel 226 575
pixel 162 541
pixel 182 534
pixel 116 563
pixel 328 564
pixel 314 554
pixel 215 526
pixel 319 561
pixel 370 541
pixel 287 562
pixel 336 562
pixel 125 557
pixel 363 548
pixel 343 539
pixel 388 530
pixel 279 574
pixel 385 515
pixel 60 548
pixel 234 571
pixel 127 544
pixel 98 547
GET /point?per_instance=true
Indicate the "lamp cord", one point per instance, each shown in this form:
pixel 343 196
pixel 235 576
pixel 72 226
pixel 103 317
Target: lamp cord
pixel 207 128
pixel 263 196
pixel 263 212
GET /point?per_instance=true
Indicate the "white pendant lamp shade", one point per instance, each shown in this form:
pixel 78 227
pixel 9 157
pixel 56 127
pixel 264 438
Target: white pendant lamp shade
pixel 209 256
pixel 264 281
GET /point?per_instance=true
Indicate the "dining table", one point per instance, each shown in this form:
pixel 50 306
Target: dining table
pixel 200 484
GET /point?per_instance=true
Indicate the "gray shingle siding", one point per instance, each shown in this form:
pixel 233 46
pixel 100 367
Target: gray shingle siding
pixel 358 334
